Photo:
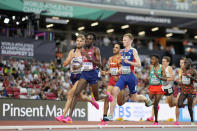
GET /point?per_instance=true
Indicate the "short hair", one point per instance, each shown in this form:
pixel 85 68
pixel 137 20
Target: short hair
pixel 189 60
pixel 183 58
pixel 156 56
pixel 120 44
pixel 91 33
pixel 81 36
pixel 167 58
pixel 129 35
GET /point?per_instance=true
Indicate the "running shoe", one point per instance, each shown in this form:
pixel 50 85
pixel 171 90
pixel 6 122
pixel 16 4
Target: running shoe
pixel 96 105
pixel 155 123
pixel 67 120
pixel 108 118
pixel 110 97
pixel 176 123
pixel 60 118
pixel 150 119
pixel 102 122
pixel 105 118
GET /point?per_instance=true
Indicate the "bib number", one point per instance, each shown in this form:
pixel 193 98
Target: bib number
pixel 114 71
pixel 126 70
pixel 165 83
pixel 186 80
pixel 155 81
pixel 87 66
pixel 168 89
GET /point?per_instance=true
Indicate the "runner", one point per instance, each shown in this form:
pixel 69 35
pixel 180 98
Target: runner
pixel 175 102
pixel 172 99
pixel 195 99
pixel 155 84
pixel 91 60
pixel 127 76
pixel 75 60
pixel 114 66
pixel 188 76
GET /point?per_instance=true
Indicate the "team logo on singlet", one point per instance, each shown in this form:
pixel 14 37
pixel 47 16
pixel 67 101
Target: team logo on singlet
pixel 125 57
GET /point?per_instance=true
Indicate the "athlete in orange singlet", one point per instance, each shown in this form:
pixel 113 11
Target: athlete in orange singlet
pixel 114 64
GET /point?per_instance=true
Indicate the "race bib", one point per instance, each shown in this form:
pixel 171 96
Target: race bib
pixel 166 87
pixel 186 80
pixel 126 70
pixel 87 66
pixel 170 90
pixel 195 84
pixel 155 81
pixel 114 71
pixel 164 83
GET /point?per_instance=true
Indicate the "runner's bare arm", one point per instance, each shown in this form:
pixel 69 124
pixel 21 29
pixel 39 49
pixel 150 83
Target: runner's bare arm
pixel 69 58
pixel 163 78
pixel 148 77
pixel 136 57
pixel 193 76
pixel 171 78
pixel 107 71
pixel 149 69
pixel 98 58
pixel 164 73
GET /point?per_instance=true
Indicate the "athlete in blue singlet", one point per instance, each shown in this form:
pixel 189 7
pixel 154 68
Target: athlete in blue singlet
pixel 127 77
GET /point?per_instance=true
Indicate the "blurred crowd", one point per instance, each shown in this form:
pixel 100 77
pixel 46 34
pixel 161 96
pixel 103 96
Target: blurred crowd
pixel 23 79
pixel 33 80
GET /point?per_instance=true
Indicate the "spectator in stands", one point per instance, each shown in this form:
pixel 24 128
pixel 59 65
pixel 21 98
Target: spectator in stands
pixel 35 94
pixel 1 88
pixel 67 83
pixel 106 41
pixel 21 65
pixel 26 78
pixel 59 56
pixel 36 79
pixel 14 73
pixel 150 45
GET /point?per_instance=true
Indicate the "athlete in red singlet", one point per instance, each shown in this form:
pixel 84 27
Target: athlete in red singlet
pixel 188 76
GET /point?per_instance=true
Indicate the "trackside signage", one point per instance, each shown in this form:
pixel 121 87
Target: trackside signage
pixel 11 109
pixel 25 48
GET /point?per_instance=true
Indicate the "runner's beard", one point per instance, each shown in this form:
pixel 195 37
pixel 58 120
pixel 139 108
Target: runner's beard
pixel 79 47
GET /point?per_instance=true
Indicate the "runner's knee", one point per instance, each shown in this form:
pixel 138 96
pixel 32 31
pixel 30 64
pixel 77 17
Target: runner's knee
pixel 79 88
pixel 170 104
pixel 120 99
pixel 180 104
pixel 115 91
pixel 70 93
